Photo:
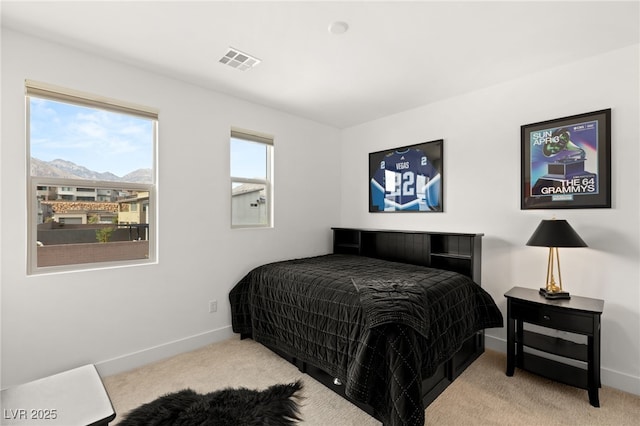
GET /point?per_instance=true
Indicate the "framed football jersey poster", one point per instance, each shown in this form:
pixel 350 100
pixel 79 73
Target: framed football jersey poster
pixel 406 179
pixel 566 162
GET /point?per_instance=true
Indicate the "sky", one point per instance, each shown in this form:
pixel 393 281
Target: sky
pixel 105 141
pixel 248 159
pixel 99 140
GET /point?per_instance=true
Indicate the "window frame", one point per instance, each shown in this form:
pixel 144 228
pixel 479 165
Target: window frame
pixel 69 96
pixel 268 141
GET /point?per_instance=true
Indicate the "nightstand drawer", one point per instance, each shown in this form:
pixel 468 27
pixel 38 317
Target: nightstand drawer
pixel 556 318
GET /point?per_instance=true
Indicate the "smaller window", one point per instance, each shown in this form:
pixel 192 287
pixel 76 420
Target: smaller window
pixel 251 180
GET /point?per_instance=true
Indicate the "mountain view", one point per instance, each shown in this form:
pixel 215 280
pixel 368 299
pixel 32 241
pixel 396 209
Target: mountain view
pixel 66 169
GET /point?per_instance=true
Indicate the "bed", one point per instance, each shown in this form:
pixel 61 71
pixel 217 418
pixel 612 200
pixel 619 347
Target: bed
pixel 388 320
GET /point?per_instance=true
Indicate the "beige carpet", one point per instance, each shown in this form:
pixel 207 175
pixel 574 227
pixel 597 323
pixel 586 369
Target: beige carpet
pixel 482 395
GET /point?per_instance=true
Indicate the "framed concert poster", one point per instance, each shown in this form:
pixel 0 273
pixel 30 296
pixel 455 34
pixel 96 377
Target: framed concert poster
pixel 406 179
pixel 566 162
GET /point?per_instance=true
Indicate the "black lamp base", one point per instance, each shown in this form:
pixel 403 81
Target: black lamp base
pixel 556 295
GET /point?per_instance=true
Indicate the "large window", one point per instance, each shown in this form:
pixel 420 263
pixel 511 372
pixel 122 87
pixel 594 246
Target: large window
pixel 251 180
pixel 91 185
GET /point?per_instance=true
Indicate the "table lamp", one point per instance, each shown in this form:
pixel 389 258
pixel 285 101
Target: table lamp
pixel 553 234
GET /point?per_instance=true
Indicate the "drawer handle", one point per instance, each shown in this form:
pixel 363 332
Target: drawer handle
pixel 546 317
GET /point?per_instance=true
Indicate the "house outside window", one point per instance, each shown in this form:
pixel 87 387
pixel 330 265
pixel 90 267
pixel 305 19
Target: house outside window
pixel 251 180
pixel 93 155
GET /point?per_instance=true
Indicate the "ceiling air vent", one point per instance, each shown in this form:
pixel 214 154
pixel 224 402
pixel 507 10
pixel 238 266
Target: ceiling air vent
pixel 239 60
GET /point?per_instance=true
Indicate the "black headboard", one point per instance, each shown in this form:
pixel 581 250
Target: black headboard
pixel 457 252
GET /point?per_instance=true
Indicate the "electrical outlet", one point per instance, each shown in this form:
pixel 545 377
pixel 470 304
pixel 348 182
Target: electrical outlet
pixel 213 306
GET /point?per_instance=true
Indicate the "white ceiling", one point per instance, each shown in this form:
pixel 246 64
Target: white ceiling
pixel 395 56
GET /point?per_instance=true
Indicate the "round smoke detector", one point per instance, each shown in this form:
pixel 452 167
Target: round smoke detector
pixel 338 28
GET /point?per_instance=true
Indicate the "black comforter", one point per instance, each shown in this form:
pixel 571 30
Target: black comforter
pixel 380 327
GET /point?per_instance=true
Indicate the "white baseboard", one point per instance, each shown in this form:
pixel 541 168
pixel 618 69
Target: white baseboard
pixel 157 353
pixel 611 378
pixel 495 344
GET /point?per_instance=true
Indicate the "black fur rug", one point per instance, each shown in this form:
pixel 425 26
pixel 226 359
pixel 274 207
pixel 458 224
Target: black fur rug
pixel 274 406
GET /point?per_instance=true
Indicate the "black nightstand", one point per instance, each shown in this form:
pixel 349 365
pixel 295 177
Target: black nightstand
pixel 579 315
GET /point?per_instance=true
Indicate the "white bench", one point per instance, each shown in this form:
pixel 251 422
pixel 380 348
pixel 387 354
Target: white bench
pixel 72 398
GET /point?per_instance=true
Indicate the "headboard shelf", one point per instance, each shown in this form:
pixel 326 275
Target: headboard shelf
pixel 451 255
pixel 459 252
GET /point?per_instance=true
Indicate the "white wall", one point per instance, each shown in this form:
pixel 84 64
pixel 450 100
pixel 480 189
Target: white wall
pixel 119 318
pixel 481 133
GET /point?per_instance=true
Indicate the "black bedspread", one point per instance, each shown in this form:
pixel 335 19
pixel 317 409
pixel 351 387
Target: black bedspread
pixel 380 327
